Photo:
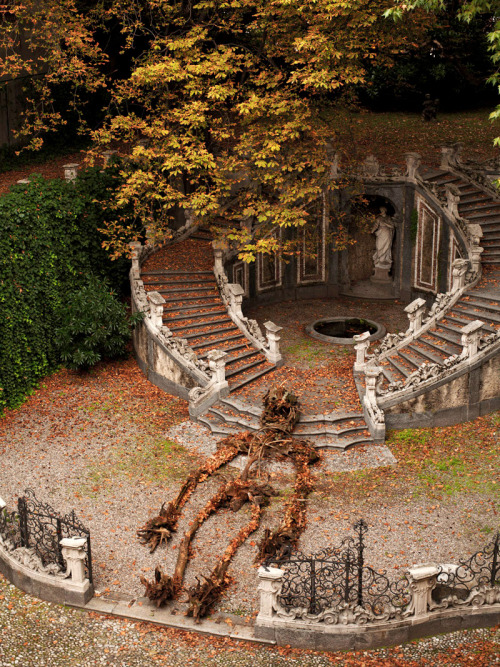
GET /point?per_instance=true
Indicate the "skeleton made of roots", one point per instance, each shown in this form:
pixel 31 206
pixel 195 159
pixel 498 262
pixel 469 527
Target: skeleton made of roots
pixel 273 440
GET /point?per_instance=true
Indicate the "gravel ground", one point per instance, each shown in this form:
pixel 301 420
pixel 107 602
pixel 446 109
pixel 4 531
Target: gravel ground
pixel 39 634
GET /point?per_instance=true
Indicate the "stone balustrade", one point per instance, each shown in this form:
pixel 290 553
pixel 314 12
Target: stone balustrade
pixel 71 171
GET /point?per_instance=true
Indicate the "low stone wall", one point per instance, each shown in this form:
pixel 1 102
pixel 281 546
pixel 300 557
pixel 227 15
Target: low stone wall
pixel 48 587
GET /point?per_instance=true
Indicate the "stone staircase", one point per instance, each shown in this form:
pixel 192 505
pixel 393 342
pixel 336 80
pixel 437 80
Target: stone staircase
pixel 338 430
pixel 479 303
pixel 195 312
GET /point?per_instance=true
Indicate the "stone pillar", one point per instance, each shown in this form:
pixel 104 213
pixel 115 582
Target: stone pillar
pixel 218 251
pixel 273 340
pixel 412 164
pixel 371 166
pixel 269 587
pixel 422 582
pixel 73 552
pixel 71 171
pixel 450 156
pixel 459 272
pixel 236 294
pixel 217 363
pixel 372 374
pixel 452 200
pixel 415 311
pixel 156 303
pixel 475 236
pixel 470 338
pixel 362 344
pixel 135 248
pixel 107 155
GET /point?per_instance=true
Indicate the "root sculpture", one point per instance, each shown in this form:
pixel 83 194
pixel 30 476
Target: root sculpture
pixel 273 440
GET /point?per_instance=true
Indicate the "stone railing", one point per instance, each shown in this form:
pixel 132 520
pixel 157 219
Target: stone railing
pixel 23 565
pixel 481 173
pixel 207 379
pixel 362 607
pixel 232 296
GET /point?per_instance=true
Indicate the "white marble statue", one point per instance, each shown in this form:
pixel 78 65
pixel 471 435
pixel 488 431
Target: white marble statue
pixel 384 233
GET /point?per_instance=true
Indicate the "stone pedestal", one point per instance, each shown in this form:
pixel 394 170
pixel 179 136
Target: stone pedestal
pixel 381 275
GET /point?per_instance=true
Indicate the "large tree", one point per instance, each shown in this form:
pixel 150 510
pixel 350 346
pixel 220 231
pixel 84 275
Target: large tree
pixel 222 107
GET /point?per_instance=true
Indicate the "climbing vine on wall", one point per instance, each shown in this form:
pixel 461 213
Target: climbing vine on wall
pixel 49 244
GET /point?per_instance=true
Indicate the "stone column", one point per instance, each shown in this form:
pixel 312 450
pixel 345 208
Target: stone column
pixel 422 582
pixel 415 311
pixel 71 171
pixel 73 552
pixel 218 264
pixel 217 363
pixel 236 294
pixel 470 338
pixel 459 272
pixel 273 340
pixel 156 303
pixel 362 344
pixel 269 587
pixel 412 164
pixel 107 155
pixel 135 248
pixel 475 236
pixel 452 200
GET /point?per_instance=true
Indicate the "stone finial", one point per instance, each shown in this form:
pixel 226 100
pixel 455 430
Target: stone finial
pixel 135 249
pixel 452 199
pixel 71 171
pixel 422 582
pixel 450 156
pixel 371 166
pixel 413 161
pixel 156 303
pixel 372 373
pixel 362 344
pixel 270 581
pixel 415 311
pixel 470 338
pixel 273 339
pixel 459 271
pixel 73 552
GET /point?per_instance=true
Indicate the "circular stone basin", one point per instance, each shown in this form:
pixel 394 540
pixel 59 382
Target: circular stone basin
pixel 340 330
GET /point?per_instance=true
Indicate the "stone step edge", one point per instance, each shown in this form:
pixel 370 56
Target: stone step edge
pixel 142 610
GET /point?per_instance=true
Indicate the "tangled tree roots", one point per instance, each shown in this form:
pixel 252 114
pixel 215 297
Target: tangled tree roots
pixel 279 417
pixel 160 590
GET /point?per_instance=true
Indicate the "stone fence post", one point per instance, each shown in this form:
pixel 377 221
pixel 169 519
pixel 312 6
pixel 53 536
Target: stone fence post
pixel 73 552
pixel 71 171
pixel 270 581
pixel 372 373
pixel 452 200
pixel 415 311
pixel 236 294
pixel 217 363
pixel 156 302
pixel 459 271
pixel 273 340
pixel 362 344
pixel 422 582
pixel 470 338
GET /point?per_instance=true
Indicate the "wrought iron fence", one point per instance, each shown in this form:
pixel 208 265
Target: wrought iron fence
pixel 338 576
pixel 38 526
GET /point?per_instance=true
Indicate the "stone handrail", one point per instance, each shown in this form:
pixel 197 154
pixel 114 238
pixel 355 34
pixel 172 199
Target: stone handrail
pixel 232 296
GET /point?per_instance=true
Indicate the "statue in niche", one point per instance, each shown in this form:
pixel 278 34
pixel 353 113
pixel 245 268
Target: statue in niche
pixel 384 233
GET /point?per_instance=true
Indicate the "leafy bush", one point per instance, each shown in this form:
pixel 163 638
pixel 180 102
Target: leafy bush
pixel 49 243
pixel 94 325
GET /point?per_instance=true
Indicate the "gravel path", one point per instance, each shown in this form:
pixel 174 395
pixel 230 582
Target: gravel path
pixel 98 444
pixel 39 634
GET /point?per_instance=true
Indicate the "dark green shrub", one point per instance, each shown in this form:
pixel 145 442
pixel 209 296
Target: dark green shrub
pixel 49 243
pixel 94 326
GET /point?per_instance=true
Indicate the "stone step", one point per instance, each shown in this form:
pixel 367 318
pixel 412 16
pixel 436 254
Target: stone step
pixel 245 379
pixel 231 372
pixel 494 258
pixel 223 319
pixel 469 200
pixel 246 354
pixel 203 334
pixel 204 313
pixel 210 304
pixel 479 216
pixel 188 290
pixel 216 426
pixel 226 348
pixel 481 315
pixel 212 344
pixel 446 348
pixel 426 352
pixel 477 206
pixel 387 373
pixel 399 366
pixel 483 302
pixel 406 355
pixel 225 417
pixel 173 272
pixel 175 299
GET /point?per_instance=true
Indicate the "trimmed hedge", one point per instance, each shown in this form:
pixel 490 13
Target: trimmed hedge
pixel 49 245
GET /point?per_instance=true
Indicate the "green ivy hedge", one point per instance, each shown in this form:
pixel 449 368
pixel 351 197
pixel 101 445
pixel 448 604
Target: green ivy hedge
pixel 49 244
